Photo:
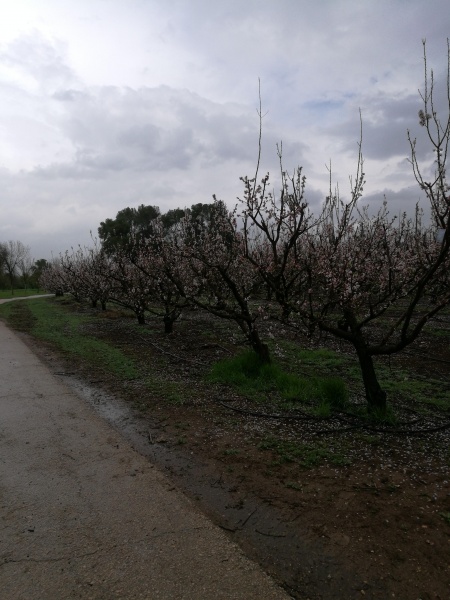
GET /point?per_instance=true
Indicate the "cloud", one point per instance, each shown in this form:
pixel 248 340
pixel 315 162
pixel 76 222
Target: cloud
pixel 108 105
pixel 35 63
pixel 153 129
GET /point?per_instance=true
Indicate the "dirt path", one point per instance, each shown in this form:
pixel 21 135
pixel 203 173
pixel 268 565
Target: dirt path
pixel 83 515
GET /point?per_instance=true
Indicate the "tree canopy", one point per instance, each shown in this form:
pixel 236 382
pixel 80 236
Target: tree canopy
pixel 129 222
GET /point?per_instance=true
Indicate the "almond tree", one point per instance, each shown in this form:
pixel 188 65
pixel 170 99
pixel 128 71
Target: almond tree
pixel 154 257
pixel 373 282
pixel 385 277
pixel 86 277
pixel 212 272
pixel 273 225
pixel 376 281
pixel 53 279
pixel 129 286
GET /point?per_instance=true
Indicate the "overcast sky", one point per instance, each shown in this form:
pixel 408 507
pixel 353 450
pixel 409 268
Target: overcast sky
pixel 106 104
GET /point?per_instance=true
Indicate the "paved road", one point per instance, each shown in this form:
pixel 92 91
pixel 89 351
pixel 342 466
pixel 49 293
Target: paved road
pixel 85 516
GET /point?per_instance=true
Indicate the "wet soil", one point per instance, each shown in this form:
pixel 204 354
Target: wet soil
pixel 365 515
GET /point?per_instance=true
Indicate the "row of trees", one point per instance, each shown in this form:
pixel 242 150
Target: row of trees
pixel 371 281
pixel 17 268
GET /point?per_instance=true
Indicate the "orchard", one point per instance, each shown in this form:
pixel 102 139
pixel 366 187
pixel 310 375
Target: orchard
pixel 371 281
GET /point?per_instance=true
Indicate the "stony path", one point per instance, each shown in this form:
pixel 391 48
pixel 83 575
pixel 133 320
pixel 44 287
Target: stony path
pixel 85 516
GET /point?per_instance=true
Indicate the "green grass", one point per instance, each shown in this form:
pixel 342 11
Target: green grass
pixel 309 378
pixel 259 381
pixel 290 353
pixel 48 320
pixel 326 358
pixel 6 310
pixel 55 321
pixel 305 455
pixel 431 392
pixel 446 517
pixel 5 294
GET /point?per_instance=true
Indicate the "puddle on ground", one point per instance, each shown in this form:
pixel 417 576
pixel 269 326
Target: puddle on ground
pixel 301 566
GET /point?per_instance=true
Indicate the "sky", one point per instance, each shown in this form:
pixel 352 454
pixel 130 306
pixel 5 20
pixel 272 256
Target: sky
pixel 106 104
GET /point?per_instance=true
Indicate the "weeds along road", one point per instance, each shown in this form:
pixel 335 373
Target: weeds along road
pixel 85 516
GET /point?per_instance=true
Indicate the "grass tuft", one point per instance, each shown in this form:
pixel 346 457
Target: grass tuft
pixel 258 380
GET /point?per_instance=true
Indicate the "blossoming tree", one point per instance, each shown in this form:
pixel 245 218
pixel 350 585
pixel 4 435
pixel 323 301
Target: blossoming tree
pixel 372 281
pixel 212 272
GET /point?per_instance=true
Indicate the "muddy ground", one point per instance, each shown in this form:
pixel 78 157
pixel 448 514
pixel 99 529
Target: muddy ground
pixel 332 508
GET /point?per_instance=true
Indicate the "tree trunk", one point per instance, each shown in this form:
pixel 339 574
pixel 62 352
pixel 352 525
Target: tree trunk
pixel 140 318
pixel 285 313
pixel 375 395
pixel 261 349
pixel 168 323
